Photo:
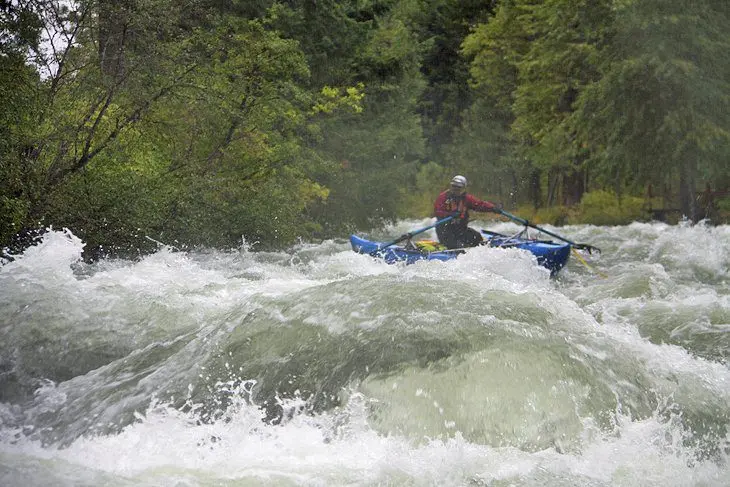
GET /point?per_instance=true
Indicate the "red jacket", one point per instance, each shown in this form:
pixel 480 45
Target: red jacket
pixel 447 204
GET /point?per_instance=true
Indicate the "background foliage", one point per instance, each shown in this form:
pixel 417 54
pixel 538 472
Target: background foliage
pixel 202 123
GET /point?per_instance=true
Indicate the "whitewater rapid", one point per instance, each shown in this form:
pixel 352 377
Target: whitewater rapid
pixel 320 366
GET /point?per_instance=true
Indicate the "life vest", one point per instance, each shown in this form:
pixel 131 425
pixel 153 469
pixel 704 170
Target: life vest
pixel 456 203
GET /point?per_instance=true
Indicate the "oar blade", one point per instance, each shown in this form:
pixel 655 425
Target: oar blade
pixel 590 248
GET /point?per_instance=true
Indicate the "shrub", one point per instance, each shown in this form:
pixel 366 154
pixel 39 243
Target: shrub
pixel 722 215
pixel 605 208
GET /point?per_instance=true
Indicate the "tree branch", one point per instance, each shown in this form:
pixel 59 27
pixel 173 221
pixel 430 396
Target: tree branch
pixel 88 153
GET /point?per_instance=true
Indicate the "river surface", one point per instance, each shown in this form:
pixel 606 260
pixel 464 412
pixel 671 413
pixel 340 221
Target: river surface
pixel 318 366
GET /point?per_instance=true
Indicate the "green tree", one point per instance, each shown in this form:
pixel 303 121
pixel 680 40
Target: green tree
pixel 529 63
pixel 660 112
pixel 20 86
pixel 194 134
pixel 379 150
pixel 442 26
pixel 332 34
pixel 220 157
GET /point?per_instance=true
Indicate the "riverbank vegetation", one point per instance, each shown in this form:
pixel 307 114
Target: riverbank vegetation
pixel 202 123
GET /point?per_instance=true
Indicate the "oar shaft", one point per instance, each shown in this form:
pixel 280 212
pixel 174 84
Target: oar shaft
pixel 416 232
pixel 527 223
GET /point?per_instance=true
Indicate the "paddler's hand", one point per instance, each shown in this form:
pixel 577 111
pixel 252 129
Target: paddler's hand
pixel 496 208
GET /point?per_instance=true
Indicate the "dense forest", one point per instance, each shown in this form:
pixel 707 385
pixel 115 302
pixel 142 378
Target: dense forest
pixel 205 122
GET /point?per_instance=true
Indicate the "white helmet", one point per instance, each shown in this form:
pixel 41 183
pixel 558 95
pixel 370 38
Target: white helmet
pixel 459 182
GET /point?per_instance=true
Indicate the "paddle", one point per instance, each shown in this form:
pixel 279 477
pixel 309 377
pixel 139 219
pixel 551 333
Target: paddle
pixel 408 235
pixel 589 248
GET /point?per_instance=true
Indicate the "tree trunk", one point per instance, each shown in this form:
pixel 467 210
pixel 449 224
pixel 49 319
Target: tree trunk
pixel 535 190
pixel 573 187
pixel 514 191
pixel 114 35
pixel 687 201
pixel 553 184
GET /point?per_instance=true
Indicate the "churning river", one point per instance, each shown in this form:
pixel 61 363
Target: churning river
pixel 319 366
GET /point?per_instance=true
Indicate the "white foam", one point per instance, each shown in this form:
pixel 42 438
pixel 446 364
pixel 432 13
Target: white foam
pixel 339 448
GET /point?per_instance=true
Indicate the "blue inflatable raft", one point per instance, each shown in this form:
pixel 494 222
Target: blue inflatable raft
pixel 549 254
